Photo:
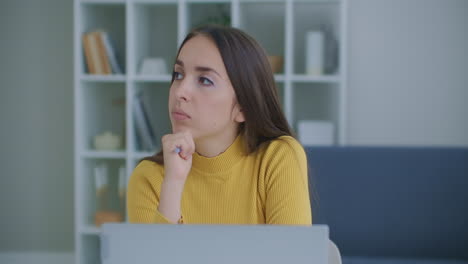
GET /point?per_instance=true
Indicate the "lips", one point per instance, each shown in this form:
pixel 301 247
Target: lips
pixel 180 115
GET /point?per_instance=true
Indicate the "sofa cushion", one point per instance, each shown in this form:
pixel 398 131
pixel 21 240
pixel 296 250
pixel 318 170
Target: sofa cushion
pixel 404 202
pixel 368 260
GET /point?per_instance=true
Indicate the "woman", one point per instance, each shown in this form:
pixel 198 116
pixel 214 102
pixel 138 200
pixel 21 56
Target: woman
pixel 231 157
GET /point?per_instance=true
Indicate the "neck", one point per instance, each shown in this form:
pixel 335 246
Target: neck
pixel 213 146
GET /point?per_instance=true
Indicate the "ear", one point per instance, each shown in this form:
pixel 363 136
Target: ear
pixel 239 118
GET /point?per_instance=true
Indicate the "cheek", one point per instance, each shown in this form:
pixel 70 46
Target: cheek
pixel 217 113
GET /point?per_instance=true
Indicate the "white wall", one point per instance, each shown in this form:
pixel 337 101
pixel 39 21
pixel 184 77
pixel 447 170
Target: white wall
pixel 408 79
pixel 408 72
pixel 36 109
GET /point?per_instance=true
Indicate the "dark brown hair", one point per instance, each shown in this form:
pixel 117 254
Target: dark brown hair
pixel 252 78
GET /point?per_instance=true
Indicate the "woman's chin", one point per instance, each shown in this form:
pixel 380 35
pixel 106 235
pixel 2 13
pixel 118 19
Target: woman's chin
pixel 180 129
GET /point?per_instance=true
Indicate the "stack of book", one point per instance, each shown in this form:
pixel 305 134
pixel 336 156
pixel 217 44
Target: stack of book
pixel 146 138
pixel 100 54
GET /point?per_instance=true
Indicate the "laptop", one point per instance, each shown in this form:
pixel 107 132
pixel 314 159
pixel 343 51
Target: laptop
pixel 126 243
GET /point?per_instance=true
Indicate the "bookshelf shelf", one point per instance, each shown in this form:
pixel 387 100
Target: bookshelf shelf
pixel 91 230
pixel 328 2
pixel 280 77
pixel 155 2
pixel 315 79
pixel 153 78
pixel 104 154
pixel 103 1
pixel 148 29
pixel 262 1
pixel 209 1
pixel 140 154
pixel 103 78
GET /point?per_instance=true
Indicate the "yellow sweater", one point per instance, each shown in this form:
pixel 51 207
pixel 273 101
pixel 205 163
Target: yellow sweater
pixel 266 187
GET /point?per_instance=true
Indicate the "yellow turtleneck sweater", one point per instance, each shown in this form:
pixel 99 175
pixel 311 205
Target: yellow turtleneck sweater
pixel 267 187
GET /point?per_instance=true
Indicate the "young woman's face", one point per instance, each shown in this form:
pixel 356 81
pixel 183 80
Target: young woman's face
pixel 201 98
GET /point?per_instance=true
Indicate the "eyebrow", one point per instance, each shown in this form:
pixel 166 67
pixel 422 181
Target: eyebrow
pixel 199 68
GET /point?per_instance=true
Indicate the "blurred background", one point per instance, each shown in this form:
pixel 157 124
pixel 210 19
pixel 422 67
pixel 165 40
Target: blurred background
pixel 407 86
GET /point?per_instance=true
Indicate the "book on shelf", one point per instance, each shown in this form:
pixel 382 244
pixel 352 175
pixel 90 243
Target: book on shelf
pixel 111 55
pixel 102 52
pixel 145 134
pixel 93 52
pixel 87 54
pixel 90 53
pixel 99 53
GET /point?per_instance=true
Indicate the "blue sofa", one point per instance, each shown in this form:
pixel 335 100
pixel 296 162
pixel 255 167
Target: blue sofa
pixel 386 205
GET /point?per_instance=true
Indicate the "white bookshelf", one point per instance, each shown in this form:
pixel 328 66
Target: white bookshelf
pixel 142 28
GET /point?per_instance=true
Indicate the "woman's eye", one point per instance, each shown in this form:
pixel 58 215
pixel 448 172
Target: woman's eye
pixel 177 75
pixel 205 81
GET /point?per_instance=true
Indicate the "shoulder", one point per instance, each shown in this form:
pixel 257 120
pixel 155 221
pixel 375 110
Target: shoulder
pixel 285 142
pixel 148 171
pixel 284 151
pixel 146 166
pixel 284 160
pixel 284 145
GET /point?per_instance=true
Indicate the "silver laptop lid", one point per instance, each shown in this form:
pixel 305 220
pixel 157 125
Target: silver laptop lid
pixel 213 244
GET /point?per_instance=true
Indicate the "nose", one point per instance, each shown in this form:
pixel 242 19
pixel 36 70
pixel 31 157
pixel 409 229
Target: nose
pixel 182 90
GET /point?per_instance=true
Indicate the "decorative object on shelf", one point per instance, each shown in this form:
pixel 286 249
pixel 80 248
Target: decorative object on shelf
pixel 153 66
pixel 276 63
pixel 321 50
pixel 102 186
pixel 103 214
pixel 315 132
pixel 107 141
pixel 331 51
pixel 221 17
pixel 102 217
pixel 315 41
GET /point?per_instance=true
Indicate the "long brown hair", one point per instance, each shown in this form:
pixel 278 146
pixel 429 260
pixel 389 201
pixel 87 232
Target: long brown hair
pixel 252 78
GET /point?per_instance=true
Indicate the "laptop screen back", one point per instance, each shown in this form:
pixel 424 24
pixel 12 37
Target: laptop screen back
pixel 210 244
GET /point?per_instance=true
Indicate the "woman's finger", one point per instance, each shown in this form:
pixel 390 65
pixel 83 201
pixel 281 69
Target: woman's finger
pixel 189 145
pixel 181 144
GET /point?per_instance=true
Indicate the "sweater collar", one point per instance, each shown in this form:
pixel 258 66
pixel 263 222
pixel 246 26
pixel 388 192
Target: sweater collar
pixel 224 161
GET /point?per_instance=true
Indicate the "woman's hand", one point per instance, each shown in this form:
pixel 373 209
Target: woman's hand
pixel 177 164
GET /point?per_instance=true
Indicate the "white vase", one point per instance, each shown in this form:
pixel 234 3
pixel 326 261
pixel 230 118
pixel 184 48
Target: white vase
pixel 314 53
